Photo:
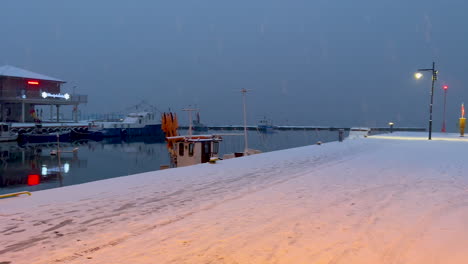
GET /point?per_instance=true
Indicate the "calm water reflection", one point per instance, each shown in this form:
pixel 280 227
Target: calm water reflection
pixel 32 168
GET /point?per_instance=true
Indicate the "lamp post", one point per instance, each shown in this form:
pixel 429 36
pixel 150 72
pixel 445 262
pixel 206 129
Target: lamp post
pixel 391 126
pixel 419 75
pixel 445 87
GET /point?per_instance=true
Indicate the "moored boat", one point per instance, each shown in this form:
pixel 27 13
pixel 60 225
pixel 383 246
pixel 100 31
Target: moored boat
pixel 197 125
pixel 39 137
pixel 6 134
pixel 133 125
pixel 265 126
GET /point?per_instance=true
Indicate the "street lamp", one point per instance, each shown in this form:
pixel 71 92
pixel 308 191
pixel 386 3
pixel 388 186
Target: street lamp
pixel 391 126
pixel 445 87
pixel 419 75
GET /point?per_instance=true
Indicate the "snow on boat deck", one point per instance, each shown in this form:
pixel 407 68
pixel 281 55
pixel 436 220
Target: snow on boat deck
pixel 370 200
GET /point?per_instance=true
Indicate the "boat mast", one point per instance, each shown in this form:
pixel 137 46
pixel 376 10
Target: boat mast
pixel 190 110
pixel 244 92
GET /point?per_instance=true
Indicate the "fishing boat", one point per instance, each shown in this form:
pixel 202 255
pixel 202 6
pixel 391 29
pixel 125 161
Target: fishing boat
pixel 40 135
pixel 265 126
pixel 133 125
pixel 6 134
pixel 197 125
pixel 194 149
pixel 188 149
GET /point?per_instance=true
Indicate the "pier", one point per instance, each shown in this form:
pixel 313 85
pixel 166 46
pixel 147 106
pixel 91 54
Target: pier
pixel 314 128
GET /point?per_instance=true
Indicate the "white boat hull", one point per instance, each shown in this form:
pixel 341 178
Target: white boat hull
pixel 8 138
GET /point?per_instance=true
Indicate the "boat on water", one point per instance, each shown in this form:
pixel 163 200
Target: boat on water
pixel 133 125
pixel 6 134
pixel 265 125
pixel 38 136
pixel 188 149
pixel 197 125
pixel 83 134
pixel 192 149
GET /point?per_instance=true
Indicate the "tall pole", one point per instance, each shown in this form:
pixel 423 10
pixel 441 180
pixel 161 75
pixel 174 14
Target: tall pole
pixel 434 78
pixel 434 74
pixel 244 91
pixel 190 110
pixel 445 103
pixel 190 123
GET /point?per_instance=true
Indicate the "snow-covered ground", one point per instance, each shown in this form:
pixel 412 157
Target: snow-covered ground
pixel 393 198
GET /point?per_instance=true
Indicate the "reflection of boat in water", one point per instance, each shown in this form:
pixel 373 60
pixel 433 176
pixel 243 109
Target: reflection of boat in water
pixel 54 152
pixel 6 134
pixel 134 124
pixel 265 126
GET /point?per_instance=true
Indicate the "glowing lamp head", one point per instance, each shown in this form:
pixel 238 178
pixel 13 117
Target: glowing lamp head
pixel 34 179
pixel 44 95
pixel 66 96
pixel 418 75
pixel 445 87
pixel 390 123
pixel 66 167
pixel 33 82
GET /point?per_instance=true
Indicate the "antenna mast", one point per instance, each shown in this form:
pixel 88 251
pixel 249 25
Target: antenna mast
pixel 190 110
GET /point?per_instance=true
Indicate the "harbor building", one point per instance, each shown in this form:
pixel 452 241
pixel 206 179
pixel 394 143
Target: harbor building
pixel 22 90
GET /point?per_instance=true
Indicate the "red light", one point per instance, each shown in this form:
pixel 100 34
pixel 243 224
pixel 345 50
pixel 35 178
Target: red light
pixel 33 179
pixel 445 87
pixel 33 82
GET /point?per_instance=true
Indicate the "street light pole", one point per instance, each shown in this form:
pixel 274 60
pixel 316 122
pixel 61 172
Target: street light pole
pixel 445 87
pixel 434 78
pixel 432 100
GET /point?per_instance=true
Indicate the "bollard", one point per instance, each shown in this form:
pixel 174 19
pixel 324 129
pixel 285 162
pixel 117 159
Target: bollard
pixel 462 126
pixel 340 135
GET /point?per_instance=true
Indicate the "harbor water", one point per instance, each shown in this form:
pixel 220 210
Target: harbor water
pixel 32 167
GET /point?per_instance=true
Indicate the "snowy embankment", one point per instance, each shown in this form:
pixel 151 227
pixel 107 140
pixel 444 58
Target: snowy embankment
pixel 374 200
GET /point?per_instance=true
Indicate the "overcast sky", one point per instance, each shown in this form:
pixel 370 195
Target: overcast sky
pixel 325 62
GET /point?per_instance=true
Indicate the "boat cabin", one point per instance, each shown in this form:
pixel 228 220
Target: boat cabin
pixel 141 119
pixel 192 150
pixel 4 128
pixel 6 134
